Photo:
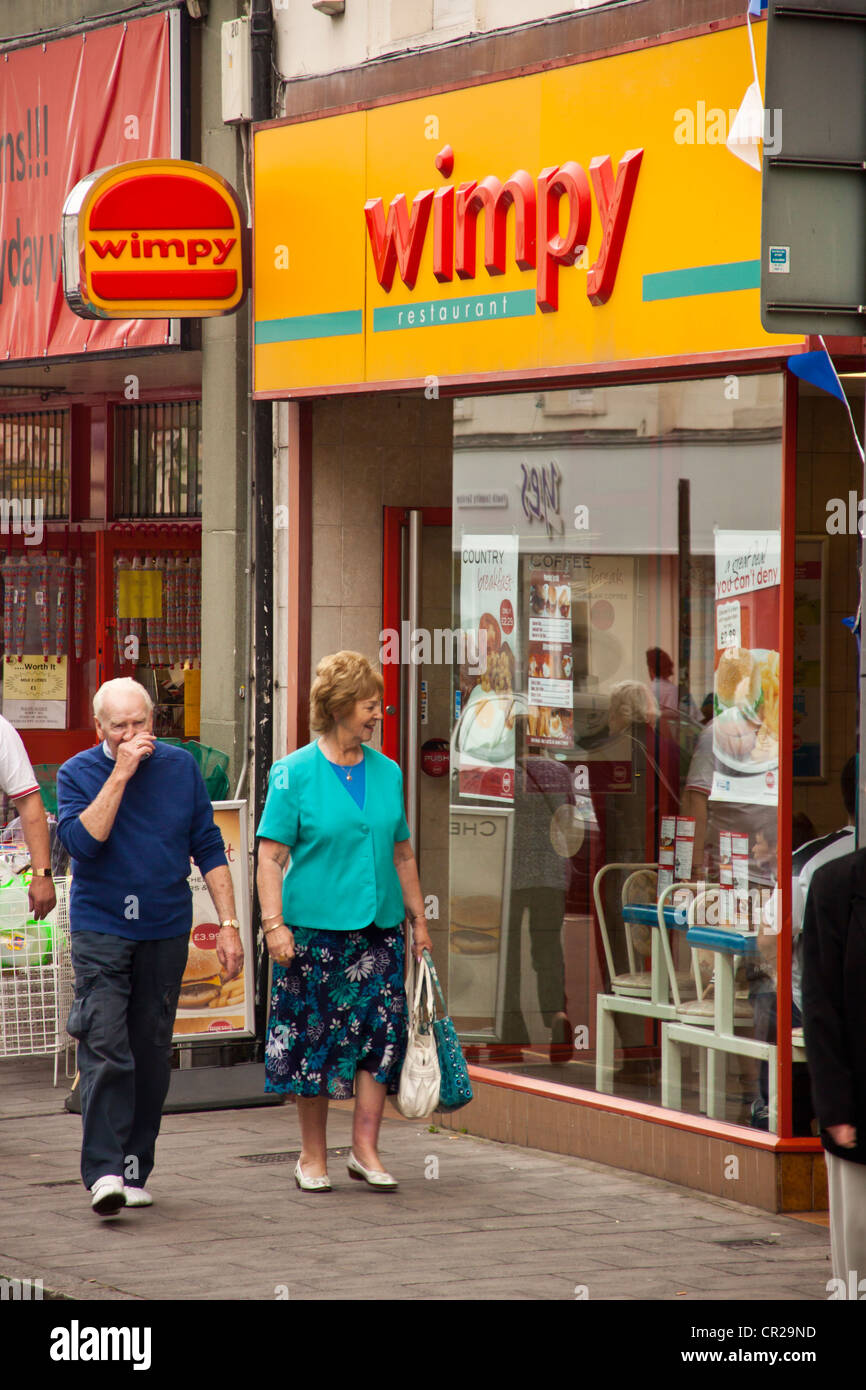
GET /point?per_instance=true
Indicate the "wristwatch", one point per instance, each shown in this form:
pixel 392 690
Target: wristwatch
pixel 41 873
pixel 230 922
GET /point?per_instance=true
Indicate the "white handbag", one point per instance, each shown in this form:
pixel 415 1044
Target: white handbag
pixel 418 1094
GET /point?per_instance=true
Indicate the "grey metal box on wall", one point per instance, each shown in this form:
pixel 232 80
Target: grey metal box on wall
pixel 813 224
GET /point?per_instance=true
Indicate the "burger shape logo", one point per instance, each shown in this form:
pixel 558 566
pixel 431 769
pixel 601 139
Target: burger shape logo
pixel 154 238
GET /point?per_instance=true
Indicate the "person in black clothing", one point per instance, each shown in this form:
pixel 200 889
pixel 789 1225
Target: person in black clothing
pixel 834 1020
pixel 538 886
pixel 804 864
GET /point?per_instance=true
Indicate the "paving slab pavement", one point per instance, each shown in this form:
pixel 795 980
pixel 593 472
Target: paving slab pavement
pixel 472 1219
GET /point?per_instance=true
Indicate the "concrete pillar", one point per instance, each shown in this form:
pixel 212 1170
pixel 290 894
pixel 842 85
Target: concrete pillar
pixel 225 488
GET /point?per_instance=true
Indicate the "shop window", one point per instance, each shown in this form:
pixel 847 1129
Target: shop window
pixel 34 468
pixel 157 619
pixel 616 735
pixel 157 460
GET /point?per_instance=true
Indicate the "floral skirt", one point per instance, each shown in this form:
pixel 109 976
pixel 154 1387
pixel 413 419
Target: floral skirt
pixel 337 1008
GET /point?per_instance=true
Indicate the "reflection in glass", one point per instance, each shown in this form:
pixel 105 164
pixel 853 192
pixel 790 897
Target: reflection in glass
pixel 619 548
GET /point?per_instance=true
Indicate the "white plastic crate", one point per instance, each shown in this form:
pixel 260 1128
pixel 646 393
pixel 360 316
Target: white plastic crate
pixel 36 980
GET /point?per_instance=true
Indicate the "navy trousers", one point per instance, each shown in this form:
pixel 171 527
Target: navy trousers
pixel 126 995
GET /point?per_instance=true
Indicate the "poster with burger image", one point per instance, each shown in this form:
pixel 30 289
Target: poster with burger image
pixel 484 737
pixel 209 1004
pixel 746 694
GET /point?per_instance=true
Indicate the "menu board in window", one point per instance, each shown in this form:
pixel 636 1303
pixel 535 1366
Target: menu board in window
pixel 34 692
pixel 550 660
pixel 41 591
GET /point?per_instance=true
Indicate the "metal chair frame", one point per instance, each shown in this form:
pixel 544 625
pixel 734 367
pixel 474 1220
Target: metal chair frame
pixel 654 1001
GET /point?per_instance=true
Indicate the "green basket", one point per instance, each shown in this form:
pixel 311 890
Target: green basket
pixel 46 776
pixel 213 765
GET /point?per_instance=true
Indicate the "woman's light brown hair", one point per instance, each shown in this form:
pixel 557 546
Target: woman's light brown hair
pixel 341 680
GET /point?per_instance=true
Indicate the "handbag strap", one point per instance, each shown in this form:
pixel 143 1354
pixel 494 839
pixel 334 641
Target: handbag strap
pixel 423 985
pixel 431 969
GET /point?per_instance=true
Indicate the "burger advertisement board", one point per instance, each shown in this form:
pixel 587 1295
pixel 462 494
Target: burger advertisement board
pixel 746 693
pixel 208 1004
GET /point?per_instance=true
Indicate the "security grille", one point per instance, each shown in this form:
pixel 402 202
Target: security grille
pixel 34 463
pixel 157 460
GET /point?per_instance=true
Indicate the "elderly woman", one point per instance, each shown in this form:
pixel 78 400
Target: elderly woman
pixel 334 924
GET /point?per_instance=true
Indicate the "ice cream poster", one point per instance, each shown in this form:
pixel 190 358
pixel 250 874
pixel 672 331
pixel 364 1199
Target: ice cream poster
pixel 487 663
pixel 746 695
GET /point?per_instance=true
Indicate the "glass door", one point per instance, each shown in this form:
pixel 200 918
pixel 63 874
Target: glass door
pixel 416 657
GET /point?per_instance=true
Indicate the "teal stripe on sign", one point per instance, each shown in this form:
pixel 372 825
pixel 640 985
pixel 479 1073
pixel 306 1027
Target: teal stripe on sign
pixel 437 313
pixel 702 279
pixel 292 330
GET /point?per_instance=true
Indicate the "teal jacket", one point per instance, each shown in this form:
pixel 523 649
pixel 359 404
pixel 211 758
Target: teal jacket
pixel 342 875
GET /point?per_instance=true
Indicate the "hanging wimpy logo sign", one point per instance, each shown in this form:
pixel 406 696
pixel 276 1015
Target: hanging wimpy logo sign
pixel 153 237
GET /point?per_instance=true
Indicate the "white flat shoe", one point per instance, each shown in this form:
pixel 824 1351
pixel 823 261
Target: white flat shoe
pixel 306 1184
pixel 137 1197
pixel 108 1195
pixel 374 1177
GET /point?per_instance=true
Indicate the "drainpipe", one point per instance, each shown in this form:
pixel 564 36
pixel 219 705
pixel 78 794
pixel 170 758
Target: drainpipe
pixel 261 32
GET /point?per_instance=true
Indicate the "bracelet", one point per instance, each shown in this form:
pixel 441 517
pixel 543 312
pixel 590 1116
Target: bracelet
pixel 273 917
pixel 275 927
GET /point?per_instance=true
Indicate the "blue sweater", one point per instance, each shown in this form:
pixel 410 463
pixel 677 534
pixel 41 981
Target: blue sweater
pixel 134 884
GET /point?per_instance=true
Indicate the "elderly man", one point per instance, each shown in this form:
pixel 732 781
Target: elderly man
pixel 19 783
pixel 132 812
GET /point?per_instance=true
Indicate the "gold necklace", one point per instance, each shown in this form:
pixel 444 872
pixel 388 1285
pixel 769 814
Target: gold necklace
pixel 344 767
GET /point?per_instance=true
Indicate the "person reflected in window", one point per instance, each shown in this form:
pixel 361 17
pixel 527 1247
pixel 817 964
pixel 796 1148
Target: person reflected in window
pixel 667 694
pixel 756 820
pixel 640 787
pixel 714 814
pixel 639 736
pixel 539 880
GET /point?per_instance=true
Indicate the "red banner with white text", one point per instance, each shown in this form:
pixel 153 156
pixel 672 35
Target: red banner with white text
pixel 67 108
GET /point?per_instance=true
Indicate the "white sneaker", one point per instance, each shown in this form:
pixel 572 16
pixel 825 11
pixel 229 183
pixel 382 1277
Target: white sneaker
pixel 137 1197
pixel 108 1195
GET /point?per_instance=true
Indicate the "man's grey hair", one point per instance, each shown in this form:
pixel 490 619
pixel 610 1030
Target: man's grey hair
pixel 121 686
